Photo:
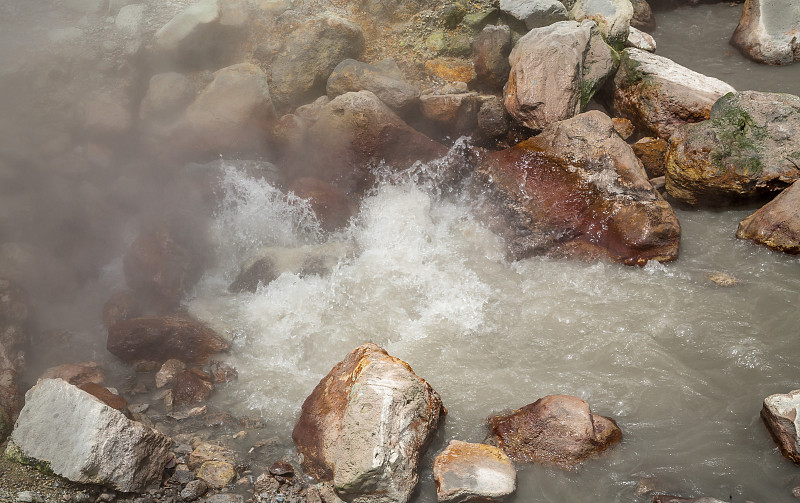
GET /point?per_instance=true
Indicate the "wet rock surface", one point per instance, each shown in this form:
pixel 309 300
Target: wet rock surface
pixel 777 224
pixel 473 472
pixel 779 414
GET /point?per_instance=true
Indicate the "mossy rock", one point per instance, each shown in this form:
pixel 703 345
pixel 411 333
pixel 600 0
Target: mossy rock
pixel 16 455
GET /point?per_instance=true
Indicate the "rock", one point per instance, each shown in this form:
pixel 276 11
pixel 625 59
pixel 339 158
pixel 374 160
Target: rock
pixel 777 224
pixel 74 435
pixel 30 497
pixel 203 34
pixel 311 52
pixel 623 127
pixel 168 95
pixel 332 206
pixel 259 272
pixel 535 13
pixel 384 79
pixel 769 31
pixel 353 132
pixel 281 468
pixel 658 95
pixel 161 265
pixel 14 320
pixel 473 472
pixel 451 115
pixel 452 15
pixel 210 452
pixel 223 498
pixel 643 18
pixel 613 18
pixel 222 372
pixel 493 121
pixel 555 71
pixel 166 374
pixel 451 69
pixel 121 306
pixel 365 426
pixel 653 154
pixel 749 148
pixel 191 388
pixel 576 190
pixel 217 474
pixel 233 113
pixel 490 52
pixel 722 279
pixel 161 338
pixel 665 498
pixel 77 374
pixel 194 490
pixel 106 396
pixel 640 40
pixel 556 429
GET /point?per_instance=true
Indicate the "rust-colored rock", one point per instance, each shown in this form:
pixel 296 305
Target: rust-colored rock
pixel 777 224
pixel 366 424
pixel 77 374
pixel 331 204
pixel 653 153
pixel 576 190
pixel 190 388
pixel 121 306
pixel 556 429
pixel 623 127
pixel 161 338
pixel 106 396
pixel 451 70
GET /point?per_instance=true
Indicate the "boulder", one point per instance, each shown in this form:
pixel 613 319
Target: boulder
pixel 640 40
pixel 643 18
pixel 106 396
pixel 365 426
pixel 576 190
pixel 653 154
pixel 160 338
pixel 72 434
pixel 121 306
pixel 473 472
pixel 777 224
pixel 451 114
pixel 535 13
pixel 769 31
pixel 490 51
pixel 780 414
pixel 332 206
pixel 77 374
pixel 205 34
pixel 555 71
pixel 556 429
pixel 749 148
pixel 493 121
pixel 15 313
pixel 233 113
pixel 162 264
pixel 384 79
pixel 658 95
pixel 613 18
pixel 352 133
pixel 311 52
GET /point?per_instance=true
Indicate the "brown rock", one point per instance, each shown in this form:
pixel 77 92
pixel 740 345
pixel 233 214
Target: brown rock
pixel 121 306
pixel 222 372
pixel 163 337
pixel 473 472
pixel 653 153
pixel 576 190
pixel 166 374
pixel 490 52
pixel 104 395
pixel 77 374
pixel 331 204
pixel 777 224
pixel 643 17
pixel 190 388
pixel 210 452
pixel 556 429
pixel 260 272
pixel 623 127
pixel 161 265
pixel 451 114
pixel 451 70
pixel 217 474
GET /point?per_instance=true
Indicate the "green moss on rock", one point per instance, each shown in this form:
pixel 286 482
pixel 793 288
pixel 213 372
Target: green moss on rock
pixel 16 455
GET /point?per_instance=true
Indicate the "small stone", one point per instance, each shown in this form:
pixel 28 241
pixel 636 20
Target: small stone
pixel 194 490
pixel 796 492
pixel 217 474
pixel 30 497
pixel 722 278
pixel 107 497
pixel 139 408
pixel 222 371
pixel 210 452
pixel 281 468
pixel 198 411
pixel 166 375
pixel 623 127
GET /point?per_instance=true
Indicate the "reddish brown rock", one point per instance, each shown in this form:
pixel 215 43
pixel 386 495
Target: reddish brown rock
pixel 121 306
pixel 222 372
pixel 106 396
pixel 77 374
pixel 161 265
pixel 166 374
pixel 653 154
pixel 366 424
pixel 556 429
pixel 331 204
pixel 576 190
pixel 623 127
pixel 780 413
pixel 161 338
pixel 190 388
pixel 777 224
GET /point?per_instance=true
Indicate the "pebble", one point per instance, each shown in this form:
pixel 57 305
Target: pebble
pixel 796 492
pixel 194 490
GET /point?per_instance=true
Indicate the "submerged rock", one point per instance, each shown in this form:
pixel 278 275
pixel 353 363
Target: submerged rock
pixel 576 190
pixel 555 71
pixel 332 206
pixel 160 338
pixel 466 472
pixel 658 95
pixel 749 148
pixel 70 433
pixel 365 426
pixel 777 224
pixel 556 429
pixel 769 31
pixel 191 387
pixel 613 18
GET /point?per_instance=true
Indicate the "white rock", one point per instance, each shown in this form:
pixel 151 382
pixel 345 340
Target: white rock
pixel 613 18
pixel 640 40
pixel 85 440
pixel 769 31
pixel 473 472
pixel 535 13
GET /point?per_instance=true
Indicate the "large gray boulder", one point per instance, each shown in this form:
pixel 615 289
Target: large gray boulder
pixel 769 31
pixel 749 148
pixel 535 13
pixel 384 79
pixel 613 18
pixel 555 71
pixel 576 190
pixel 311 52
pixel 466 472
pixel 69 432
pixel 365 426
pixel 659 95
pixel 776 224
